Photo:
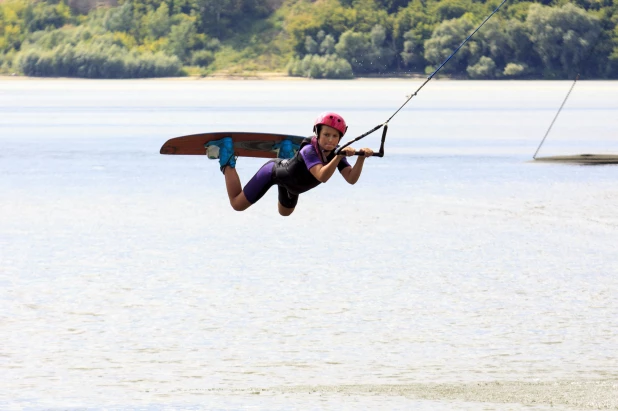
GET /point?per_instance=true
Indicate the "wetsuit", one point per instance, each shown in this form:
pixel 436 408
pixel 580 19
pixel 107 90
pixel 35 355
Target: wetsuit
pixel 292 176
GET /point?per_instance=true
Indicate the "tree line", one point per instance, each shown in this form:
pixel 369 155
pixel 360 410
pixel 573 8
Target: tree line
pixel 318 39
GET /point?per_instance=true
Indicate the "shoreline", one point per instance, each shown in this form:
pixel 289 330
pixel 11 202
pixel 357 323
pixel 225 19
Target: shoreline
pixel 266 76
pixel 561 394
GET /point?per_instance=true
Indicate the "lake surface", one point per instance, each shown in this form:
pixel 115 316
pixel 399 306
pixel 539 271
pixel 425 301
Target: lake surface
pixel 128 282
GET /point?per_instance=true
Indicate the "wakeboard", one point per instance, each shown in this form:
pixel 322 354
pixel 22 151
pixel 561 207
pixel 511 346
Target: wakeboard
pixel 246 144
pixel 585 159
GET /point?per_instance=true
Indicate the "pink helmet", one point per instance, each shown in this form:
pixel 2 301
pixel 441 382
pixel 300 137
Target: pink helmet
pixel 333 120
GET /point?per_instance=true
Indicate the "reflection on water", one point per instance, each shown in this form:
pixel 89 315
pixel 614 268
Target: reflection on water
pixel 127 280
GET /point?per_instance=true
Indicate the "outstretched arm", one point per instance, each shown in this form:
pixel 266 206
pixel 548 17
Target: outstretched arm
pixel 324 172
pixel 351 174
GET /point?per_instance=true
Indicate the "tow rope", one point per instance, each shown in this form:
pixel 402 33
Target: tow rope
pixel 380 152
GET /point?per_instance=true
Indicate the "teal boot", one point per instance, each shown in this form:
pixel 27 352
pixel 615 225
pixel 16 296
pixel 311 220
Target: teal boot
pixel 223 150
pixel 286 149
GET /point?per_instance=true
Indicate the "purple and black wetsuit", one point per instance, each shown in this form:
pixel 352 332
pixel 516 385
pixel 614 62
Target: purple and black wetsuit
pixel 291 175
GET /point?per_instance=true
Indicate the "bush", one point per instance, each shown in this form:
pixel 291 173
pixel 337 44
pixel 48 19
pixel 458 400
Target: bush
pixel 92 62
pixel 314 66
pixel 514 70
pixel 485 68
pixel 202 58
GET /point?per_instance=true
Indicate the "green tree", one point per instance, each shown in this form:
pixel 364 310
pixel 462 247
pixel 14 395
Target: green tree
pixel 612 66
pixel 414 19
pixel 382 54
pixel 528 38
pixel 563 37
pixel 354 47
pixel 214 14
pixel 327 46
pixel 219 18
pixel 366 53
pixel 182 39
pixel 520 44
pixel 12 25
pixel 504 42
pixel 411 26
pixel 41 16
pixel 517 11
pixel 449 9
pixel 158 22
pixel 120 18
pixel 330 16
pixel 182 6
pixel 365 15
pixel 311 46
pixel 392 6
pixel 412 53
pixel 443 42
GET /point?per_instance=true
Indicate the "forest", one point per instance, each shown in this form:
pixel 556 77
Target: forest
pixel 336 39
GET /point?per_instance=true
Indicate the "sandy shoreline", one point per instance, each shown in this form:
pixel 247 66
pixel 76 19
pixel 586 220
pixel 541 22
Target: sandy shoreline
pixel 579 395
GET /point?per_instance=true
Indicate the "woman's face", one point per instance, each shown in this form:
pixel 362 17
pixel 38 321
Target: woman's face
pixel 328 138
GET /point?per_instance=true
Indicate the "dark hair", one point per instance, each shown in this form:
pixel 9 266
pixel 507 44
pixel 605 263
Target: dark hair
pixel 318 128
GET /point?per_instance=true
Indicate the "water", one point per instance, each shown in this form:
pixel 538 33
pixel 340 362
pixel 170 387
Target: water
pixel 128 282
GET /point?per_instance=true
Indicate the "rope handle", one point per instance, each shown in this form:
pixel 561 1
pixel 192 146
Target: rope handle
pixel 380 152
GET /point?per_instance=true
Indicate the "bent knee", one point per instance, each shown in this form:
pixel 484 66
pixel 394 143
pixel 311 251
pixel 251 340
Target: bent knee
pixel 240 202
pixel 240 205
pixel 285 212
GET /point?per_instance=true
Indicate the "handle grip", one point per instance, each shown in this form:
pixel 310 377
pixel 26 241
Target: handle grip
pixel 380 152
pixel 360 153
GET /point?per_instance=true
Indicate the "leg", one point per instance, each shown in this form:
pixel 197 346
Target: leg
pixel 284 211
pixel 287 202
pixel 237 197
pixel 255 189
pixel 224 150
